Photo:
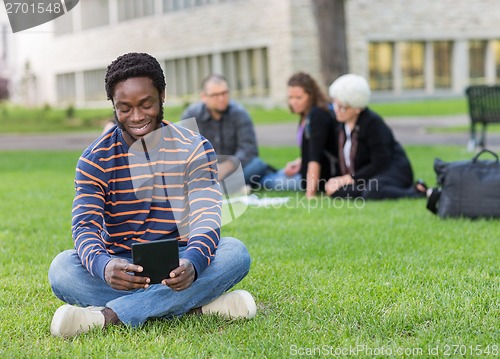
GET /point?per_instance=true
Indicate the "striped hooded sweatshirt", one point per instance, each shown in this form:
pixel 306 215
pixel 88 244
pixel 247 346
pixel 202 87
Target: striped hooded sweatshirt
pixel 163 187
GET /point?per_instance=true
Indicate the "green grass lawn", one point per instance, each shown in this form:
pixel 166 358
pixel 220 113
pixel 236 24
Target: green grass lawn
pixel 491 128
pixel 44 120
pixel 378 277
pixel 14 119
pixel 435 107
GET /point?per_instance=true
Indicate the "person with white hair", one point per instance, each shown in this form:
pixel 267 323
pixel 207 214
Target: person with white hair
pixel 372 164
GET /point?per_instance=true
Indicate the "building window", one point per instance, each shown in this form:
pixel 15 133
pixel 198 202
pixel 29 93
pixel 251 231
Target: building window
pixel 181 76
pixel 442 64
pixel 63 25
pixel 412 57
pixel 170 78
pixel 93 85
pixel 381 56
pixel 259 75
pixel 131 9
pixel 175 5
pixel 477 62
pixel 230 71
pixel 4 48
pixel 496 47
pixel 246 72
pixel 66 88
pixel 95 13
pixel 205 65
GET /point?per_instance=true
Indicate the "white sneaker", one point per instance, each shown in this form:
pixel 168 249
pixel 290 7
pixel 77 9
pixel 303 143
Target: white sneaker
pixel 70 320
pixel 231 305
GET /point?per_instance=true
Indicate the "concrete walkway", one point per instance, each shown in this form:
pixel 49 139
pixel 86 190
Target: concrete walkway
pixel 408 131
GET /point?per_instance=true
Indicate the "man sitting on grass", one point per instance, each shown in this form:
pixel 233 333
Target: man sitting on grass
pixel 176 196
pixel 229 128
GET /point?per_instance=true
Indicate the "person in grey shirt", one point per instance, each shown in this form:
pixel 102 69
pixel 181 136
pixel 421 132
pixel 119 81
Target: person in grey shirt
pixel 228 126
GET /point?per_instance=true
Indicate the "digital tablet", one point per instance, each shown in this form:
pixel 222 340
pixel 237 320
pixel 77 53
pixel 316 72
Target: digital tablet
pixel 157 258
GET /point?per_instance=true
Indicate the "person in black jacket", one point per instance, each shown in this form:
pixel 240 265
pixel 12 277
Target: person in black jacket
pixel 316 139
pixel 372 164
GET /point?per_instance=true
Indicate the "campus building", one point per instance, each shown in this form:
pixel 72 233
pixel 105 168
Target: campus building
pixel 5 51
pixel 406 48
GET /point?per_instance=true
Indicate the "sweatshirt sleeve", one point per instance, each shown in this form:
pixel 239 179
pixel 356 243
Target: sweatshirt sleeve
pixel 88 216
pixel 205 203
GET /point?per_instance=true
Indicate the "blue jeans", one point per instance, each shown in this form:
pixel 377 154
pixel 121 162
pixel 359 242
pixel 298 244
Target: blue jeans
pixel 73 284
pixel 279 181
pixel 254 171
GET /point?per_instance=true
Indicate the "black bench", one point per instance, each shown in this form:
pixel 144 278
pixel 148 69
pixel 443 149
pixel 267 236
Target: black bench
pixel 484 108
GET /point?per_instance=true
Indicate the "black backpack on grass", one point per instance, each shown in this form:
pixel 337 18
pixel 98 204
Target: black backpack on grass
pixel 467 188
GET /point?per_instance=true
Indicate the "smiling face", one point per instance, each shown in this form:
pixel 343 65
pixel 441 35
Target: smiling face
pixel 137 105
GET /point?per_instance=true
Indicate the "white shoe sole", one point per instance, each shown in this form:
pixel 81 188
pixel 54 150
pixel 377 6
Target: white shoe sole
pixel 232 305
pixel 70 320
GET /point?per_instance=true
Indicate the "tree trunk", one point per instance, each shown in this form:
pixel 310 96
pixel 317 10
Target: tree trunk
pixel 330 18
